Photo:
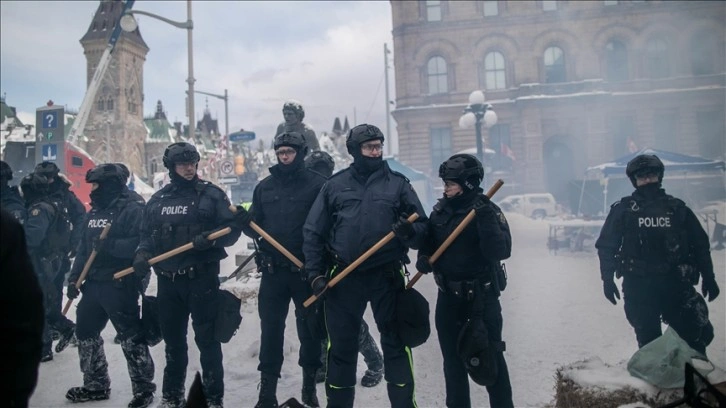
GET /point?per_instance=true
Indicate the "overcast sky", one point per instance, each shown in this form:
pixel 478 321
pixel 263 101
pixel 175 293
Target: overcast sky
pixel 328 55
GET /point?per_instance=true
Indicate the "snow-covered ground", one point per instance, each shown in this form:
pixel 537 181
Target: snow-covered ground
pixel 554 315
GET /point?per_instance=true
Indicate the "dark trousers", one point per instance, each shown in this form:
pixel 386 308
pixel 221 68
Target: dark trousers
pixel 116 301
pixel 276 290
pixel 46 269
pixel 60 322
pixel 451 314
pixel 344 307
pixel 647 300
pixel 178 298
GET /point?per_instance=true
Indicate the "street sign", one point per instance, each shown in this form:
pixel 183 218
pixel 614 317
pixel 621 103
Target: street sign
pixel 49 136
pixel 49 152
pixel 228 180
pixel 226 169
pixel 241 136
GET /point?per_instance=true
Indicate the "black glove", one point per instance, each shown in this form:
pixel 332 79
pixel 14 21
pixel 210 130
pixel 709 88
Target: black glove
pixel 402 228
pixel 201 242
pixel 72 292
pixel 319 285
pixel 242 217
pixel 423 264
pixel 709 288
pixel 141 264
pixel 610 289
pixel 482 204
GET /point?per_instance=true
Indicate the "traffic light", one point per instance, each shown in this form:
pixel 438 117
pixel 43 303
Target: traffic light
pixel 239 165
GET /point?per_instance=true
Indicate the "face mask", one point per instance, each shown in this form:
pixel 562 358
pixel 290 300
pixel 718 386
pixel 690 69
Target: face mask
pixel 368 165
pixel 649 190
pixel 105 194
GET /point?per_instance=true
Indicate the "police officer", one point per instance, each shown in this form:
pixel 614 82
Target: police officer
pixel 355 209
pixel 10 199
pixel 294 114
pixel 103 298
pixel 59 190
pixel 469 276
pixel 324 164
pixel 47 231
pixel 187 210
pixel 280 203
pixel 658 246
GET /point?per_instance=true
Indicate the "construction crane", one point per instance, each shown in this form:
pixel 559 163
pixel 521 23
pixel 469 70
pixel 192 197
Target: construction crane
pixel 84 112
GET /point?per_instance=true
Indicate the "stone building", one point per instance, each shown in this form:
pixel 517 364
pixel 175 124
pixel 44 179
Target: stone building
pixel 574 83
pixel 115 131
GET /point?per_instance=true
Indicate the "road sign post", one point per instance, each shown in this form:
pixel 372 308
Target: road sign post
pixel 50 135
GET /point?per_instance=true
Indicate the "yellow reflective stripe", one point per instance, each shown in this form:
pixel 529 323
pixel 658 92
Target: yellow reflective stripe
pixel 246 205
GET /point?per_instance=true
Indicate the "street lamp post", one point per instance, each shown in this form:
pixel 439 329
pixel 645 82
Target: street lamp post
pixel 474 113
pixel 129 24
pixel 225 98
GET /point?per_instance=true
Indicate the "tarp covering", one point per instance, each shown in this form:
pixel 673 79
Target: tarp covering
pixel 673 162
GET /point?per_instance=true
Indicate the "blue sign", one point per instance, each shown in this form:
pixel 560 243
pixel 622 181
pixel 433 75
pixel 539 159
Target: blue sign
pixel 49 152
pixel 242 136
pixel 50 119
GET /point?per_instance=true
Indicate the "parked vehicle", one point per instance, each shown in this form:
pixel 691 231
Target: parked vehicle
pixel 537 206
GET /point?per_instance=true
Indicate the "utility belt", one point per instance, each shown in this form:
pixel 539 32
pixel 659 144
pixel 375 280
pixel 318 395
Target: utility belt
pixel 466 289
pixel 393 267
pixel 271 265
pixel 189 272
pixel 640 267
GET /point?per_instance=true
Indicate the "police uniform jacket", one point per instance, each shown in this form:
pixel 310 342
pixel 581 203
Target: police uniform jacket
pixel 42 217
pixel 351 214
pixel 653 234
pixel 74 206
pixel 478 249
pixel 124 214
pixel 13 203
pixel 280 204
pixel 177 213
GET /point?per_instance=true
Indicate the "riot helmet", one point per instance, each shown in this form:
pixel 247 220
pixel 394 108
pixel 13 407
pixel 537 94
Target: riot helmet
pixel 47 169
pixel 125 171
pixel 180 152
pixel 320 162
pixel 105 173
pixel 292 139
pixel 296 107
pixel 644 164
pixel 6 173
pixel 478 353
pixel 465 169
pixel 34 186
pixel 361 134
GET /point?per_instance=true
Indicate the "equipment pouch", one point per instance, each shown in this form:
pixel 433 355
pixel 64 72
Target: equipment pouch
pixel 501 276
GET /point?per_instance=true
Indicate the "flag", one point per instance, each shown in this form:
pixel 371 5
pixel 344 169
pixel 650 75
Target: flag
pixel 632 147
pixel 507 151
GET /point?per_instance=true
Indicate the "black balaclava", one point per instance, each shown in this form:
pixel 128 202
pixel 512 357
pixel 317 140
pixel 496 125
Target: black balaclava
pixel 181 181
pixel 106 192
pixel 650 190
pixel 365 165
pixel 467 194
pixel 297 164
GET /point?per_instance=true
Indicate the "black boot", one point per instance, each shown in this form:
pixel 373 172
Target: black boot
pixel 83 394
pixel 142 400
pixel 268 391
pixel 309 397
pixel 65 338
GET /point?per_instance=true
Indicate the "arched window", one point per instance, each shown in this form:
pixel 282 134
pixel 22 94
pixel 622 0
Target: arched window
pixel 437 75
pixel 656 58
pixel 616 60
pixel 554 63
pixel 494 71
pixel 100 105
pixel 703 48
pixel 109 104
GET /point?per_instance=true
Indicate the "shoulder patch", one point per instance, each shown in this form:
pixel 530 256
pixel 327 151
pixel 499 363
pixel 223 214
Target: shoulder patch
pixel 35 212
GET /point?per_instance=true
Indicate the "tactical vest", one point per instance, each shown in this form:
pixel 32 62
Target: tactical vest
pixel 95 223
pixel 653 234
pixel 177 219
